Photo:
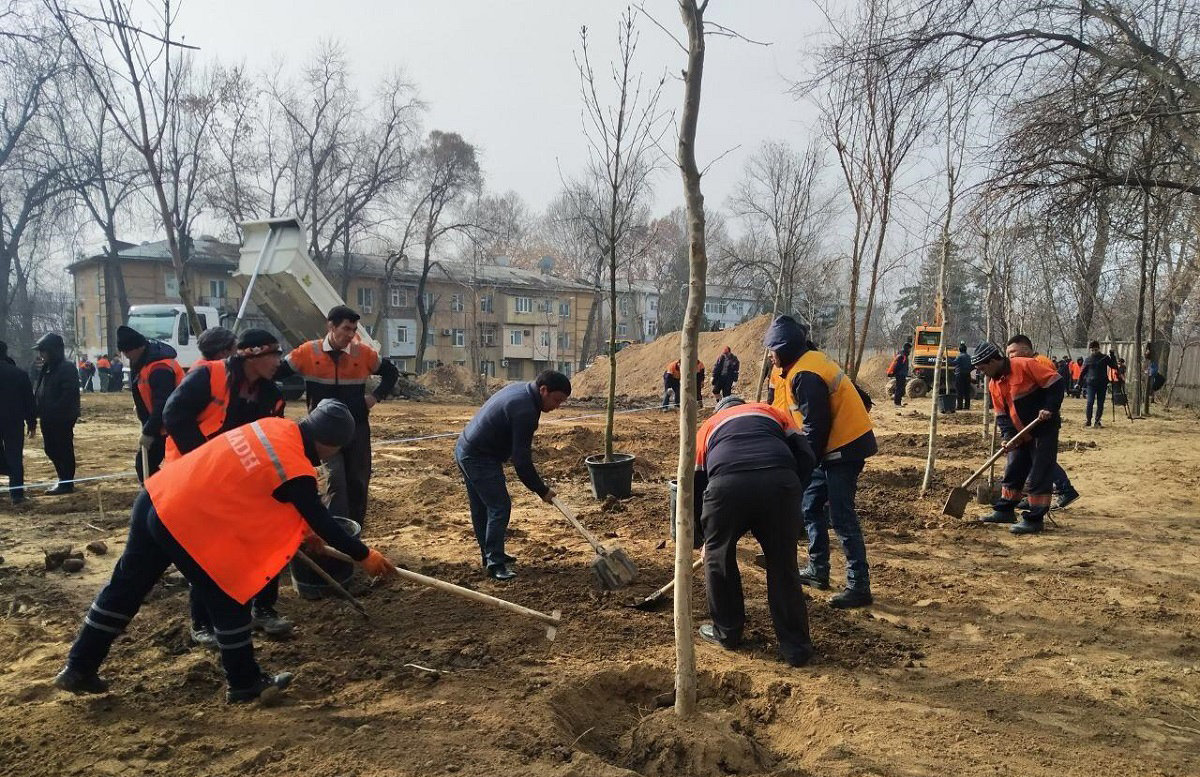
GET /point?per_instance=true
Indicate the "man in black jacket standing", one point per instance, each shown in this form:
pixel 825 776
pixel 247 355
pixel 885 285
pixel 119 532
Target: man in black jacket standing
pixel 153 375
pixel 963 386
pixel 1095 378
pixel 17 413
pixel 725 373
pixel 57 396
pixel 503 429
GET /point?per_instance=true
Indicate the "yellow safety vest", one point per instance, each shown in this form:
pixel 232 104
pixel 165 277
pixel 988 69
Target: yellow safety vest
pixel 850 419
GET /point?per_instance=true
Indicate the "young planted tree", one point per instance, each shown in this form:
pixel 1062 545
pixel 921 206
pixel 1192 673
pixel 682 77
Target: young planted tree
pixel 623 151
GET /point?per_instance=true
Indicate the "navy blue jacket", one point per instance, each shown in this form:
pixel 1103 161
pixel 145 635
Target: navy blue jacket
pixel 503 429
pixel 1095 369
pixel 962 366
pixel 162 383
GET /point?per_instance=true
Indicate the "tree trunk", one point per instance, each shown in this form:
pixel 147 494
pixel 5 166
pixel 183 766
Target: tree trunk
pixel 164 209
pixel 1089 280
pixel 685 655
pixel 931 454
pixel 610 407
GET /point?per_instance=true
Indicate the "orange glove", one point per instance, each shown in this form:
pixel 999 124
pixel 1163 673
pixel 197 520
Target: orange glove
pixel 377 565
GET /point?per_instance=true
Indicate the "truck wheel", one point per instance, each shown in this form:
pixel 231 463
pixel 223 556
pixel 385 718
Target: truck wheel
pixel 916 388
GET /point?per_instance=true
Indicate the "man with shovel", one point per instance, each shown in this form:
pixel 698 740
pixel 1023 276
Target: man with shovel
pixel 1021 346
pixel 502 429
pixel 226 541
pixel 752 464
pixel 1022 390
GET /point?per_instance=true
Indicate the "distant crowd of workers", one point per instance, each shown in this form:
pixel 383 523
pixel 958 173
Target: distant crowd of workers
pixel 768 469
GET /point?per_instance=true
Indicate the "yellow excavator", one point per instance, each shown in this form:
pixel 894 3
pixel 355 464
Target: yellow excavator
pixel 926 340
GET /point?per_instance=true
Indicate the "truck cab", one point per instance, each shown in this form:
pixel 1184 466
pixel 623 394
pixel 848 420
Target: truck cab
pixel 926 340
pixel 169 323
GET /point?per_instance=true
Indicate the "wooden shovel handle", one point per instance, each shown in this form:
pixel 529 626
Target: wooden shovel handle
pixel 569 514
pixel 458 590
pixel 1003 449
pixel 695 565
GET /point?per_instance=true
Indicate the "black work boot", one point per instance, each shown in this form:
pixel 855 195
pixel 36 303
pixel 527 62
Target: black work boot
pixel 500 572
pixel 266 686
pixel 708 633
pixel 852 597
pixel 1030 524
pixel 1066 498
pixel 811 577
pixel 61 488
pixel 270 622
pixel 203 636
pixel 76 681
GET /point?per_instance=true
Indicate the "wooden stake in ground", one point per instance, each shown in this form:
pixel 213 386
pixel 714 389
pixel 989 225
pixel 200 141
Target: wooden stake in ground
pixel 685 648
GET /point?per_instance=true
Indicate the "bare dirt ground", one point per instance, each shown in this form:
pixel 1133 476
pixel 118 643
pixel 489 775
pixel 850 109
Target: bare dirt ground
pixel 1074 652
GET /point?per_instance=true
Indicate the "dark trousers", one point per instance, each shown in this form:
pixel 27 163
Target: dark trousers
pixel 963 390
pixel 149 550
pixel 85 381
pixel 349 476
pixel 1095 396
pixel 13 437
pixel 491 506
pixel 155 456
pixel 267 597
pixel 722 389
pixel 116 380
pixel 58 441
pixel 901 384
pixel 835 485
pixel 103 380
pixel 764 503
pixel 670 386
pixel 1059 478
pixel 1031 470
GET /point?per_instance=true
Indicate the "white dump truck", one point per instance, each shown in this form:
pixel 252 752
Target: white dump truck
pixel 169 323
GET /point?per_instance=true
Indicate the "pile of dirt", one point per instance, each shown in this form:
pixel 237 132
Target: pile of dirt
pixel 640 367
pixel 449 380
pixel 872 375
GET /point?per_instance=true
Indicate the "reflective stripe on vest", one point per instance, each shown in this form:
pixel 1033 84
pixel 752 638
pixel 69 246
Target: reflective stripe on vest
pixel 217 503
pixel 143 382
pixel 849 416
pixel 212 417
pixel 353 367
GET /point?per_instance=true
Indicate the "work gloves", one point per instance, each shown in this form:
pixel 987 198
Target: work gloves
pixel 376 565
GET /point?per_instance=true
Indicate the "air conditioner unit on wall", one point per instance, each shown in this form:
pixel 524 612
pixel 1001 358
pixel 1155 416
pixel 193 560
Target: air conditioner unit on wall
pixel 504 362
pixel 445 333
pixel 527 333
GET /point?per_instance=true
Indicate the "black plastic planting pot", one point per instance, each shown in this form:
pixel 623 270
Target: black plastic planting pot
pixel 611 478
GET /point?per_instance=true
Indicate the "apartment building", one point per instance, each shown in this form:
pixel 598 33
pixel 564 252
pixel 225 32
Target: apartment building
pixel 498 320
pixel 637 311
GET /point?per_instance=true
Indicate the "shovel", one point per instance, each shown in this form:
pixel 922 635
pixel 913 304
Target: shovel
pixel 960 497
pixel 659 598
pixel 333 584
pixel 612 566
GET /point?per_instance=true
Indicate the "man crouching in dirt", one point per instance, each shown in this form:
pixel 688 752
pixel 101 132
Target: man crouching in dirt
pixel 1023 389
pixel 752 465
pixel 226 540
pixel 503 428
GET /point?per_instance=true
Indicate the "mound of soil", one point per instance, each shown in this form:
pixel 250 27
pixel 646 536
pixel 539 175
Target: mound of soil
pixel 640 367
pixel 449 380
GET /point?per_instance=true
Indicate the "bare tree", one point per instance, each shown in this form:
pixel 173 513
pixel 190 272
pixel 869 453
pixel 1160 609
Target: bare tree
pixel 133 66
pixel 623 151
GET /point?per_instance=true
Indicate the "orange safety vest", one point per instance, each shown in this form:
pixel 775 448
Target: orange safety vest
pixel 1025 376
pixel 1046 360
pixel 1076 370
pixel 143 382
pixel 849 415
pixel 673 369
pixel 217 503
pixel 212 417
pixel 103 364
pixel 705 433
pixel 357 364
pixel 1114 375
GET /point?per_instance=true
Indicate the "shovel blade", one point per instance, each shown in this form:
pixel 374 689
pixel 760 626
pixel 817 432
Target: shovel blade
pixel 653 602
pixel 956 503
pixel 613 569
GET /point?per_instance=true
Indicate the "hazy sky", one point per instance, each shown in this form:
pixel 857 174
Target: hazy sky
pixel 502 74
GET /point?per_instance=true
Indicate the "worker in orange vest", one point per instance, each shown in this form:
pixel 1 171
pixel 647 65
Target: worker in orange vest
pixel 153 375
pixel 671 377
pixel 337 367
pixel 1020 346
pixel 219 394
pixel 226 541
pixel 104 366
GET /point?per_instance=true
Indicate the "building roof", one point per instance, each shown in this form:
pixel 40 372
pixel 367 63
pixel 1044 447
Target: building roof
pixel 466 273
pixel 206 252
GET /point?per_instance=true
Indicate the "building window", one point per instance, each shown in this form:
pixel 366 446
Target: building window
pixel 460 338
pixel 428 297
pixel 487 336
pixel 564 309
pixel 171 284
pixel 488 367
pixel 402 333
pixel 565 368
pixel 545 339
pixel 652 328
pixel 429 364
pixel 622 330
pixel 399 297
pixel 716 308
pixel 366 299
pixel 516 369
pixel 216 289
pixel 456 303
pixel 623 306
pixel 515 337
pixel 402 365
pixel 564 340
pixel 485 306
pixel 524 304
pixel 653 303
pixel 430 336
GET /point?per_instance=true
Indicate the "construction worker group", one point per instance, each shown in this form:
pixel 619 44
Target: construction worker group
pixel 779 469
